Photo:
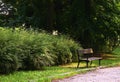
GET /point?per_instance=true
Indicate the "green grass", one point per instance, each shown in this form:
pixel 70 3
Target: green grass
pixel 117 51
pixel 58 72
pixel 51 73
pixel 40 76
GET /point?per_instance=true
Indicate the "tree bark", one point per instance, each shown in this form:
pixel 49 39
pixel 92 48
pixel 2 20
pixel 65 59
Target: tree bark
pixel 50 15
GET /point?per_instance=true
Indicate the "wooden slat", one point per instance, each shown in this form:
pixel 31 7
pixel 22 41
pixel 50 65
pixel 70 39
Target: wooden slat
pixel 86 51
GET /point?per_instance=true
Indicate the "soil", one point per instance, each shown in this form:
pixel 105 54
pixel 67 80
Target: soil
pixel 99 75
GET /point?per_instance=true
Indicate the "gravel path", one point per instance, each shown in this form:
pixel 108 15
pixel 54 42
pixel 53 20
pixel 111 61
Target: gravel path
pixel 99 75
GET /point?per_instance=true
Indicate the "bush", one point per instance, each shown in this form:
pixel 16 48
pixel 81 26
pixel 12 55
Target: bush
pixel 31 50
pixel 65 50
pixel 34 50
pixel 8 64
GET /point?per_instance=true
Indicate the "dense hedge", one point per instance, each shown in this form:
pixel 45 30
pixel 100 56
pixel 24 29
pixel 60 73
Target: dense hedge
pixel 31 50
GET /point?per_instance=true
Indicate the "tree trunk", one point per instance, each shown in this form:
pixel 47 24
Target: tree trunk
pixel 50 15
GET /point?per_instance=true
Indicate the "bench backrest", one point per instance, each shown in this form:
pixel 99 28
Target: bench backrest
pixel 85 52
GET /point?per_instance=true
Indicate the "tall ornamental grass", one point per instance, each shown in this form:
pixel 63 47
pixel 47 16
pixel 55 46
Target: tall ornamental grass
pixel 32 50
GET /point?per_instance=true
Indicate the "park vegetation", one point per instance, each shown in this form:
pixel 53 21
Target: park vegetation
pixel 26 40
pixel 30 50
pixel 93 23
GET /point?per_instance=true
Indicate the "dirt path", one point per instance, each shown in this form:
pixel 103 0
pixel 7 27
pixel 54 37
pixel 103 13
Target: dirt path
pixel 100 75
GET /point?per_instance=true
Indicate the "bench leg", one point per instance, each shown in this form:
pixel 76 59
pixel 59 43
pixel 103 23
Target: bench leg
pixel 87 62
pixel 99 62
pixel 78 63
pixel 90 62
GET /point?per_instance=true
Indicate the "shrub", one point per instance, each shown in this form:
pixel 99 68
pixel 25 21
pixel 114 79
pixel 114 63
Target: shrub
pixel 34 50
pixel 8 59
pixel 31 50
pixel 65 49
pixel 8 64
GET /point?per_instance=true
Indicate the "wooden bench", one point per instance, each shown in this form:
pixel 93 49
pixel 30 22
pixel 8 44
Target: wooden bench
pixel 87 56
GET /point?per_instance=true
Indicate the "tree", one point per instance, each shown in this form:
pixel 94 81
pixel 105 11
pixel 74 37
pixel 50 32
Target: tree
pixel 6 12
pixel 94 23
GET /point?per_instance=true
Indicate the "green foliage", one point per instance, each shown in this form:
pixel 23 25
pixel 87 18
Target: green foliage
pixel 8 61
pixel 94 23
pixel 8 64
pixel 65 49
pixel 31 50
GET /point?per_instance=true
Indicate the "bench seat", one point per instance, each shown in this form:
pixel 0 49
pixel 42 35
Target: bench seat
pixel 91 58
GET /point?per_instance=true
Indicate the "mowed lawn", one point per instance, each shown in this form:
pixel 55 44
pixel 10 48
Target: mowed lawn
pixel 57 72
pixel 46 75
